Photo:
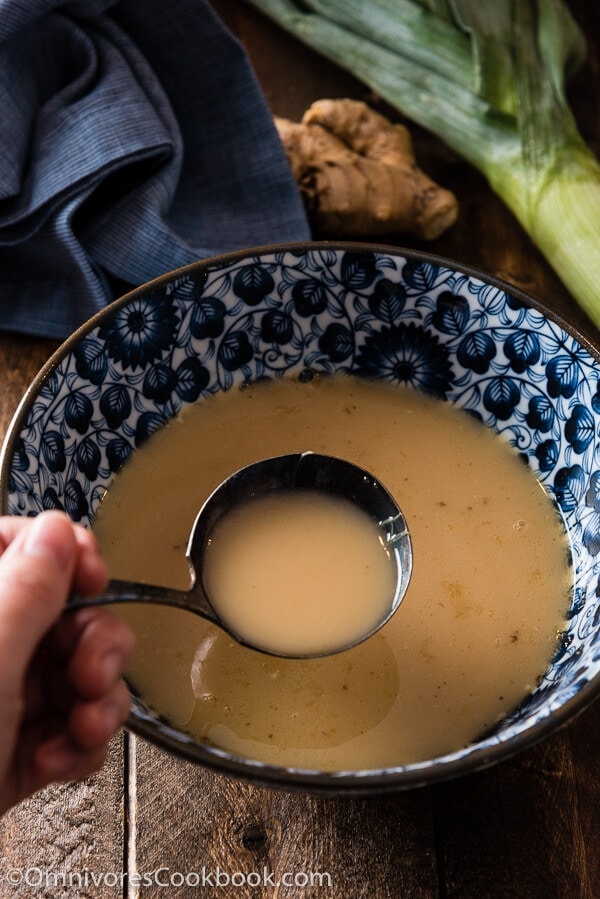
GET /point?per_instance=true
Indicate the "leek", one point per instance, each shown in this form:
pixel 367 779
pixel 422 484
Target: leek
pixel 489 78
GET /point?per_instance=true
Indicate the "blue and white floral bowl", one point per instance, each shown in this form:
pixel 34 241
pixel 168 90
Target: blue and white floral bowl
pixel 407 318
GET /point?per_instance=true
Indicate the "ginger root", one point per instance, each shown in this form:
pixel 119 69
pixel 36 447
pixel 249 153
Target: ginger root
pixel 358 175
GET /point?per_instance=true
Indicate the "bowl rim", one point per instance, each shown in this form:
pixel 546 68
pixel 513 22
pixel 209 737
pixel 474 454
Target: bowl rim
pixel 389 779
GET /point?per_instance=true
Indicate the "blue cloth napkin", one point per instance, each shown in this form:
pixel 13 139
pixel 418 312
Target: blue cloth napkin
pixel 134 139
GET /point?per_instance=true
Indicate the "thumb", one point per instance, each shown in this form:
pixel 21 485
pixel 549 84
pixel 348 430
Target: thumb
pixel 36 572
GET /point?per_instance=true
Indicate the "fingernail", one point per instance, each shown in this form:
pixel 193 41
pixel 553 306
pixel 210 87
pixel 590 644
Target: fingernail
pixel 47 539
pixel 112 664
pixel 110 718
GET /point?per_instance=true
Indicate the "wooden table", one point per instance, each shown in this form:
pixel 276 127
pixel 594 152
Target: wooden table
pixel 526 828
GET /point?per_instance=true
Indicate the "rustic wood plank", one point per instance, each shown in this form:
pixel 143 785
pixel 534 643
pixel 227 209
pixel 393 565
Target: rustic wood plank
pixel 584 737
pixel 20 360
pixel 378 846
pixel 516 830
pixel 278 59
pixel 67 840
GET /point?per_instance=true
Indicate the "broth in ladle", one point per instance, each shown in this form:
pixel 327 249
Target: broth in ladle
pixel 479 623
pixel 299 572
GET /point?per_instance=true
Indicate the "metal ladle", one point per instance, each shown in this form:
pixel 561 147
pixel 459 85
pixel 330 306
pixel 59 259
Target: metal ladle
pixel 296 471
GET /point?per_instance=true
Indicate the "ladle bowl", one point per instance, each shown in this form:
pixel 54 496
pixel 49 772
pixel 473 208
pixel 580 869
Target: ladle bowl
pixel 297 471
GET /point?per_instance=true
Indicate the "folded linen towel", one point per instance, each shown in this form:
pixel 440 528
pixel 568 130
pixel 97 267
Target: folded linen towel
pixel 134 139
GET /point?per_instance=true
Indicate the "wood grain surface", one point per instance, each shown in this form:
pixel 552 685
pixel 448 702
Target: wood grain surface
pixel 529 827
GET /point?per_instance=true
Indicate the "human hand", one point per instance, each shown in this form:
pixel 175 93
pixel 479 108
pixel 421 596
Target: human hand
pixel 61 693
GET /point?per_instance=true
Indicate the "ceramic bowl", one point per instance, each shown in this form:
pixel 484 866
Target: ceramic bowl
pixel 407 318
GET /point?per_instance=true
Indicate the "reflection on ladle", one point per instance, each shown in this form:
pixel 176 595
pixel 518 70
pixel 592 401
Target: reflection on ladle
pixel 326 475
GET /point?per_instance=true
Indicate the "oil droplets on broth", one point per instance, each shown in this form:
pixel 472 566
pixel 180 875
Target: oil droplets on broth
pixel 489 592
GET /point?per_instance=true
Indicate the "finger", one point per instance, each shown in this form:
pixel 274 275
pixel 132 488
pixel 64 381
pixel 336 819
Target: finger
pixel 91 573
pixel 22 776
pixel 91 726
pixel 36 571
pixel 93 723
pixel 83 655
pixel 48 689
pixel 58 759
pixel 57 748
pixel 101 647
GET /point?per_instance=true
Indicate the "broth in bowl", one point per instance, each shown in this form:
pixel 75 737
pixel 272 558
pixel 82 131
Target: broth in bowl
pixel 478 626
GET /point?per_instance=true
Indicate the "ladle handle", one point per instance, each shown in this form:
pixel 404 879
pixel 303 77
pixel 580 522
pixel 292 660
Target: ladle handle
pixel 118 591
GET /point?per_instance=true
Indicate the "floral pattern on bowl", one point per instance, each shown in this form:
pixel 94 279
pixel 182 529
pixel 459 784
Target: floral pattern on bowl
pixel 410 319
